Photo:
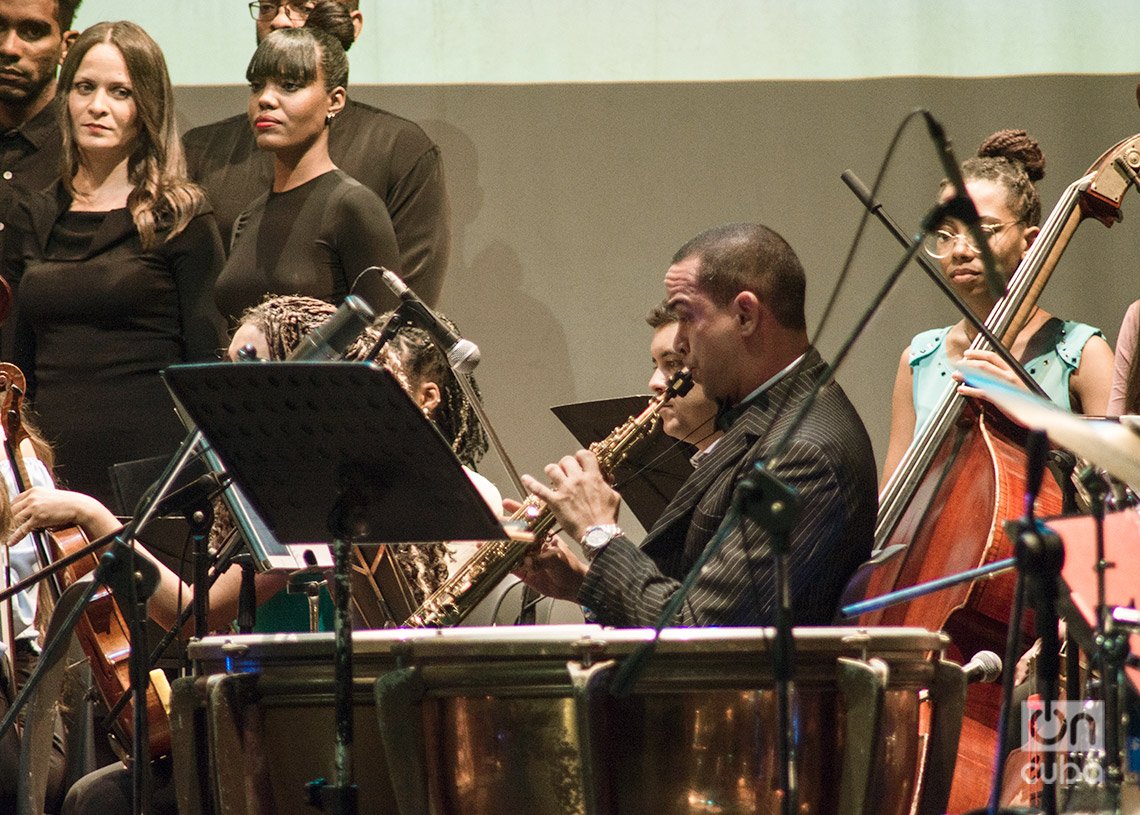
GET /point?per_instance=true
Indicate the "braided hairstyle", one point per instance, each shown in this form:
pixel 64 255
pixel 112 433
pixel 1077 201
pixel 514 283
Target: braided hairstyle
pixel 413 358
pixel 1012 159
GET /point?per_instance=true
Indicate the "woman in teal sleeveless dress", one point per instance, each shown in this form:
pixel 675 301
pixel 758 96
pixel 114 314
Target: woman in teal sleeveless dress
pixel 1072 361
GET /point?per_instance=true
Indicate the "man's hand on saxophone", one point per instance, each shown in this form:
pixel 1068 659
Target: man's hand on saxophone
pixel 586 508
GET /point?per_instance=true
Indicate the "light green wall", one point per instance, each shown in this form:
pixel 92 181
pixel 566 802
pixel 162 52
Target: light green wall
pixel 434 42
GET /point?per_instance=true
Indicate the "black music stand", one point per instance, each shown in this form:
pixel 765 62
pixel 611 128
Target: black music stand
pixel 333 451
pixel 654 470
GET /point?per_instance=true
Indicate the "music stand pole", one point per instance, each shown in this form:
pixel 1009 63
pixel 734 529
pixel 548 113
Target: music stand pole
pixel 1111 646
pixel 775 506
pixel 367 462
pixel 348 523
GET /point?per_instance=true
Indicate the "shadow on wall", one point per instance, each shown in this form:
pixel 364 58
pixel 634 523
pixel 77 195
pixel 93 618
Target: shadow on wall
pixel 526 366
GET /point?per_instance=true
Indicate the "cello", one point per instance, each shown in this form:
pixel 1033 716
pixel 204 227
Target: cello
pixel 941 512
pixel 102 630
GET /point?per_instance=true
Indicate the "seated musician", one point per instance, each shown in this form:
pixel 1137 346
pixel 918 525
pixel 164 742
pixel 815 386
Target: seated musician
pixel 273 328
pixel 738 293
pixel 24 646
pixel 1072 361
pixel 690 418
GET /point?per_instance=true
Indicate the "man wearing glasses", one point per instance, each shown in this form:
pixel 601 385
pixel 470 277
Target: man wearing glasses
pixel 390 155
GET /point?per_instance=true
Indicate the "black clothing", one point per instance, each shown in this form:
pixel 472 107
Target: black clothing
pixel 29 162
pixel 314 240
pixel 829 462
pixel 99 317
pixel 390 155
pixel 30 154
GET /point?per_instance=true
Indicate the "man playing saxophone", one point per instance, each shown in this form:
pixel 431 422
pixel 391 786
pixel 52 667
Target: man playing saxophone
pixel 738 294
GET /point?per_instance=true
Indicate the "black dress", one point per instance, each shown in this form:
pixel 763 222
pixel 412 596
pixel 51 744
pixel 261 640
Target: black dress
pixel 98 318
pixel 388 154
pixel 314 240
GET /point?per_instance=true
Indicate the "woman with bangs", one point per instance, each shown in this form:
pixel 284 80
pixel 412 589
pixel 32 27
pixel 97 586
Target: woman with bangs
pixel 317 229
pixel 116 264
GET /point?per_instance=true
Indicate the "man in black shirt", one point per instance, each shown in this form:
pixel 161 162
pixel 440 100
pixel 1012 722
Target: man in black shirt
pixel 390 155
pixel 34 35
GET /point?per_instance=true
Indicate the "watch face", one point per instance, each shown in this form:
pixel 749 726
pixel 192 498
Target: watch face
pixel 600 535
pixel 597 537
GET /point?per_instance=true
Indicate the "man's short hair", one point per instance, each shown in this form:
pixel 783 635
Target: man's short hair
pixel 65 13
pixel 661 315
pixel 749 257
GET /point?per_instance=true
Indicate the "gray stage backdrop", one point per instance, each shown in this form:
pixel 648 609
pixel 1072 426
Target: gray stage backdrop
pixel 568 201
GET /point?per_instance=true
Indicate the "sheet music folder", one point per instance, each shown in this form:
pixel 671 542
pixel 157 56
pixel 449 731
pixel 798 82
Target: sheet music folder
pixel 303 439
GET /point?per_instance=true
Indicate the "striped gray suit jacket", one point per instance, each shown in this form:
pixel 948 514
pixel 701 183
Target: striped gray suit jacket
pixel 829 462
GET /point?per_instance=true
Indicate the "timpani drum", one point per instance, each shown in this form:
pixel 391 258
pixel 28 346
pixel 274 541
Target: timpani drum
pixel 495 720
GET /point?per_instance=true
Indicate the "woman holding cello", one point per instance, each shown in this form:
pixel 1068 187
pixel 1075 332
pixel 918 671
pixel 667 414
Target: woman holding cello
pixel 21 648
pixel 1072 361
pixel 955 469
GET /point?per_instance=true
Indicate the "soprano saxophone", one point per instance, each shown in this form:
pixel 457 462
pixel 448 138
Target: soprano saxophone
pixel 455 599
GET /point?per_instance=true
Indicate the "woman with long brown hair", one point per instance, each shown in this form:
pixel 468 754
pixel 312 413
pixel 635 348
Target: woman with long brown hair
pixel 116 264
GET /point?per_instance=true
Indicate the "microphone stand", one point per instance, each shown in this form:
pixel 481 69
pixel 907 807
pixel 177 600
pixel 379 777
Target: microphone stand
pixel 1039 554
pixel 226 556
pixel 528 601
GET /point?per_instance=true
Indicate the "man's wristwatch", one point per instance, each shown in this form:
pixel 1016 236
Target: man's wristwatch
pixel 597 537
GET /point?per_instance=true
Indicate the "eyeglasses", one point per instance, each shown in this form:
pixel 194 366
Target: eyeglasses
pixel 267 11
pixel 941 242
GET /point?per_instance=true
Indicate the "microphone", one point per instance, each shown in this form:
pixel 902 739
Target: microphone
pixel 462 355
pixel 201 489
pixel 330 339
pixel 961 206
pixel 984 667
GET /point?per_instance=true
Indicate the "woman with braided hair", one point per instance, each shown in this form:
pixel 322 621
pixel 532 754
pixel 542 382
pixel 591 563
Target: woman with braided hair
pixel 276 325
pixel 1072 361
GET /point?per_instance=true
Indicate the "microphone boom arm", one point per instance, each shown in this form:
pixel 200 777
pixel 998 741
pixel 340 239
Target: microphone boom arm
pixel 876 208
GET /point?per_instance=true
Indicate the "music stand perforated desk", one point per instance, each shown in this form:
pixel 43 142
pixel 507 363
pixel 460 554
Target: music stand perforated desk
pixel 333 451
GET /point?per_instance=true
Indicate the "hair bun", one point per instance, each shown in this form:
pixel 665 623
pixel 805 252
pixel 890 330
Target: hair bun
pixel 333 18
pixel 1017 146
